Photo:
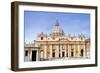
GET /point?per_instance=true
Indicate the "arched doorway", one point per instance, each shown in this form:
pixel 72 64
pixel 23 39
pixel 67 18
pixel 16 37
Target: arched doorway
pixel 82 53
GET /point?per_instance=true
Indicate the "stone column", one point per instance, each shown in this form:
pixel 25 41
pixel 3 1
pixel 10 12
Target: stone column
pixel 65 49
pixel 69 50
pixel 88 49
pixel 78 50
pixel 74 50
pixel 45 52
pixel 50 52
pixel 37 55
pixel 57 51
pixel 84 51
pixel 60 50
pixel 41 54
pixel 30 56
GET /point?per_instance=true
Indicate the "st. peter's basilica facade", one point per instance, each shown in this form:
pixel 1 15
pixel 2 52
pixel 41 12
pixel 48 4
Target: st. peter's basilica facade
pixel 57 45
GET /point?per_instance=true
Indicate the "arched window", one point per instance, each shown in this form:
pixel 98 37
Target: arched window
pixel 41 38
pixel 81 38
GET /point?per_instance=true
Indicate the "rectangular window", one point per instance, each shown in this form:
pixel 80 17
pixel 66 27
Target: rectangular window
pixel 53 54
pixel 26 53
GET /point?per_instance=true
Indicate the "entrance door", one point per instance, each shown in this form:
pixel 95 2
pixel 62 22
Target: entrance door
pixel 72 53
pixel 82 53
pixel 33 55
pixel 63 54
pixel 53 54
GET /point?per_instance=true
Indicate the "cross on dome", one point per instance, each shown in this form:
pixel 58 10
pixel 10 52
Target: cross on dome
pixel 57 23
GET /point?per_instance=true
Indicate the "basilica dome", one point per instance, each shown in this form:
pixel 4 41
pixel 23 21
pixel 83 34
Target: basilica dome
pixel 57 30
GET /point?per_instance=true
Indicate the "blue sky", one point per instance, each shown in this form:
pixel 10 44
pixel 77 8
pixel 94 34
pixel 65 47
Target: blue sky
pixel 72 23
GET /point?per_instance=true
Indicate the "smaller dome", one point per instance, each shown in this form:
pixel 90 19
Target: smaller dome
pixel 42 35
